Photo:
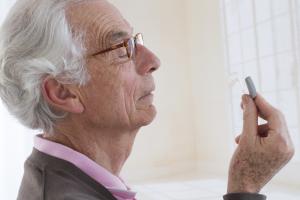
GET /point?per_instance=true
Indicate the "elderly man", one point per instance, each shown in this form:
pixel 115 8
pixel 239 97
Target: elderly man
pixel 74 69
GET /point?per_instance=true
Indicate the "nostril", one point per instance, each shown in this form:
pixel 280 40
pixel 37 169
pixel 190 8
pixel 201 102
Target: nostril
pixel 152 69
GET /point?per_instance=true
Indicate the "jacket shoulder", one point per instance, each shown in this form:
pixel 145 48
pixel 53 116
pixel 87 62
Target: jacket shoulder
pixel 47 178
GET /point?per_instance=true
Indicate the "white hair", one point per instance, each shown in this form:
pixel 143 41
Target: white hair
pixel 36 41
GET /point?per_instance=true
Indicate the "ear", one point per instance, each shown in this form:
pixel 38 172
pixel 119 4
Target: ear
pixel 61 97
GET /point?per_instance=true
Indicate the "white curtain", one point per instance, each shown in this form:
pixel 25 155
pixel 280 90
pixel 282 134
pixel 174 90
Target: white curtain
pixel 15 141
pixel 262 40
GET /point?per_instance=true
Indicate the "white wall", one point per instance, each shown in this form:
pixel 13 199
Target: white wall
pixel 190 95
pixel 209 86
pixel 191 131
pixel 192 128
pixel 168 145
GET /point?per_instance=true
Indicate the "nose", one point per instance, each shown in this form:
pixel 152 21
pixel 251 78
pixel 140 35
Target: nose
pixel 146 61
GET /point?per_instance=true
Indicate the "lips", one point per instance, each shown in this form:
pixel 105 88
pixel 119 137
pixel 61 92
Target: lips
pixel 146 99
pixel 147 93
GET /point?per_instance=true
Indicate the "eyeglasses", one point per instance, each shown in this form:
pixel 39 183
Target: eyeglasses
pixel 129 44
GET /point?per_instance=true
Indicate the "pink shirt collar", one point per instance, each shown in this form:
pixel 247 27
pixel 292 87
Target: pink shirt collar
pixel 111 182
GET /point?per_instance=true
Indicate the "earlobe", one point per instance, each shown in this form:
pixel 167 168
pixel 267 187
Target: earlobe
pixel 77 106
pixel 61 97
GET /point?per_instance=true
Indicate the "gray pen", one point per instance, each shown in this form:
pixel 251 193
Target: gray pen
pixel 251 87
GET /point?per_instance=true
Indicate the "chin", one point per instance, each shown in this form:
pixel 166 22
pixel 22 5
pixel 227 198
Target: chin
pixel 147 116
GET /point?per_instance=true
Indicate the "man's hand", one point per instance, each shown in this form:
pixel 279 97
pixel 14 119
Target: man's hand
pixel 262 150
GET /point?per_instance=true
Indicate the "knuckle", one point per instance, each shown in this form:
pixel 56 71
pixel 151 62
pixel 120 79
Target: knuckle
pixel 291 150
pixel 289 153
pixel 279 117
pixel 278 113
pixel 286 149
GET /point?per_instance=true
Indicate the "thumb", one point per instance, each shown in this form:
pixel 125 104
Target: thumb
pixel 250 116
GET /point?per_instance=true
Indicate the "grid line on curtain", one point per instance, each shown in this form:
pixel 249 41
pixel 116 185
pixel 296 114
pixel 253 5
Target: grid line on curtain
pixel 262 40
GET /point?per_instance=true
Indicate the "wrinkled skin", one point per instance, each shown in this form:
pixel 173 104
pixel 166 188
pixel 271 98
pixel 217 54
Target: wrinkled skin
pixel 262 150
pixel 104 115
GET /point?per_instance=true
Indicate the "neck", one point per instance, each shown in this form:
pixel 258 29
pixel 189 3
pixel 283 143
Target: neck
pixel 108 149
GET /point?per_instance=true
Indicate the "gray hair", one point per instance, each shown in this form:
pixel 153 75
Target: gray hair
pixel 36 41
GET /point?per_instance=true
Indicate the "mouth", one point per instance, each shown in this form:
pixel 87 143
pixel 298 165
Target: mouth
pixel 148 93
pixel 147 96
pixel 146 99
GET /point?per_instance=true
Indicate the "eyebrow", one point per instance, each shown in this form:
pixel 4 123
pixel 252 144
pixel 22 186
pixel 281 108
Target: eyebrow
pixel 116 35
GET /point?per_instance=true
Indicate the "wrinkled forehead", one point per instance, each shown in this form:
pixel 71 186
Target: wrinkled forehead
pixel 99 20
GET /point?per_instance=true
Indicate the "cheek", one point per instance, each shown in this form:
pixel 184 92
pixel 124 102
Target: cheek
pixel 107 91
pixel 111 92
pixel 129 84
pixel 130 88
pixel 103 89
pixel 104 103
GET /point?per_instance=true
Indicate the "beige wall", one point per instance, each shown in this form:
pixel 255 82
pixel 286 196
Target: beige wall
pixel 166 146
pixel 209 86
pixel 191 126
pixel 192 130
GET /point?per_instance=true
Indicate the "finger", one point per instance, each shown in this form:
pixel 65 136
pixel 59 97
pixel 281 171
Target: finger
pixel 262 131
pixel 265 109
pixel 250 116
pixel 275 118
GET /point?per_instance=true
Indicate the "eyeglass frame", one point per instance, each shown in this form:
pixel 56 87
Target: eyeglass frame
pixel 134 40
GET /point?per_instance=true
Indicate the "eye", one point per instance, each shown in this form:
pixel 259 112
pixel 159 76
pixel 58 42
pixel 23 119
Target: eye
pixel 119 56
pixel 123 56
pixel 121 53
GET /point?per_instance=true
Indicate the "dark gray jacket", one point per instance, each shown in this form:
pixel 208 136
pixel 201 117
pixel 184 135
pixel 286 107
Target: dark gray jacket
pixel 49 178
